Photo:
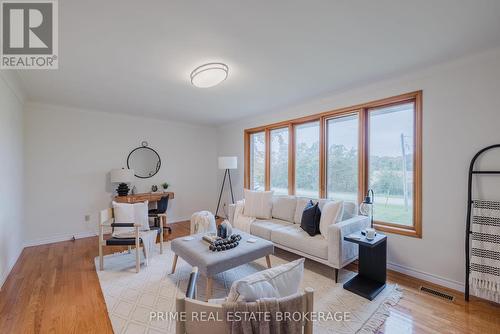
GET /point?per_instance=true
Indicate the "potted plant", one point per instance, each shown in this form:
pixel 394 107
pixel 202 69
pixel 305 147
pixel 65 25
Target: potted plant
pixel 164 185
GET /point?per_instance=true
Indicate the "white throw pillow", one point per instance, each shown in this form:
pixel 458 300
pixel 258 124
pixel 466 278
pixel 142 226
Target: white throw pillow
pixel 257 290
pixel 330 214
pixel 141 216
pixel 123 213
pixel 284 208
pixel 130 213
pixel 299 209
pixel 280 281
pixel 258 204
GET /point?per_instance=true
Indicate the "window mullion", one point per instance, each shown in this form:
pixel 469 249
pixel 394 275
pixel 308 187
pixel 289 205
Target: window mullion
pixel 322 155
pixel 363 154
pixel 267 173
pixel 291 160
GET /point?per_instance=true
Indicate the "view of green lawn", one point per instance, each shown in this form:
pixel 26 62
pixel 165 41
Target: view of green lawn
pixel 393 213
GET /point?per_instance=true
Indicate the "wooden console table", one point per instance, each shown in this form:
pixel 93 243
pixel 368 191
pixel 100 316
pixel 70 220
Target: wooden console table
pixel 150 197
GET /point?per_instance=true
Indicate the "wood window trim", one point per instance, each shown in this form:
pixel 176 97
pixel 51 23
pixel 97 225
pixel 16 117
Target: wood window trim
pixel 362 111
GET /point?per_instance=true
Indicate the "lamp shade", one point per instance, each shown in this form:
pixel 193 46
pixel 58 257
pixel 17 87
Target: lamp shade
pixel 122 175
pixel 228 162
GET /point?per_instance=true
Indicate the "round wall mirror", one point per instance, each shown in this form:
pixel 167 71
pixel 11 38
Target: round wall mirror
pixel 144 161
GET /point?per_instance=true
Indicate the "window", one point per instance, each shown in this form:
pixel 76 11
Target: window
pixel 279 161
pixel 257 161
pixel 307 159
pixel 391 163
pixel 341 154
pixel 342 158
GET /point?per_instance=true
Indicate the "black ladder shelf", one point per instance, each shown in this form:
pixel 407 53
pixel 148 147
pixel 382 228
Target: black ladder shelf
pixel 470 202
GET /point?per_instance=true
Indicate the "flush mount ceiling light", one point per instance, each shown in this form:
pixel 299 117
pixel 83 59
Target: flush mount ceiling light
pixel 209 75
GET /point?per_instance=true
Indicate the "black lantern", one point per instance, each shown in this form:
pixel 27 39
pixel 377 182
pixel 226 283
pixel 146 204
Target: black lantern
pixel 366 208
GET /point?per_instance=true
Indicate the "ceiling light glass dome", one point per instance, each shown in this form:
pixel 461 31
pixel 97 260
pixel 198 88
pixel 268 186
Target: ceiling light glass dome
pixel 209 75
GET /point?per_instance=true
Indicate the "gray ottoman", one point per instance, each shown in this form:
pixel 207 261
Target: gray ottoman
pixel 196 253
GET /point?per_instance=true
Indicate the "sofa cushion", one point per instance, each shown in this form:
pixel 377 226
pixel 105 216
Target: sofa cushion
pixel 296 238
pixel 330 214
pixel 299 208
pixel 284 208
pixel 311 218
pixel 258 204
pixel 263 228
pixel 350 210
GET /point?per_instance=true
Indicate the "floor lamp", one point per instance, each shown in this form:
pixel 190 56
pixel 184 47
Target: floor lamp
pixel 226 163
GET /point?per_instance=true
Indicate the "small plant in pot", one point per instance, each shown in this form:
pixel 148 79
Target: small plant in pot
pixel 164 185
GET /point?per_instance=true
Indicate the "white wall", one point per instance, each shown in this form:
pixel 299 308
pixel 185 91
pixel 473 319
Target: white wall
pixel 11 172
pixel 461 114
pixel 69 154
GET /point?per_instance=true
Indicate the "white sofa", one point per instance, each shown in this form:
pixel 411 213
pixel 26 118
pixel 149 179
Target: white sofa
pixel 284 230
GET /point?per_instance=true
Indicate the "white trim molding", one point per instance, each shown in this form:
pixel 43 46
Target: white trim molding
pixel 459 286
pixel 59 238
pixel 77 235
pixel 14 82
pixel 9 269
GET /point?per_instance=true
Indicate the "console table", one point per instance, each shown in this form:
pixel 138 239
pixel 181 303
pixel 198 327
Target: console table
pixel 150 197
pixel 372 265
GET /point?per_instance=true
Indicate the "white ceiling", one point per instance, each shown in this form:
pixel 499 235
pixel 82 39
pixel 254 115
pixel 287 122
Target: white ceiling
pixel 135 57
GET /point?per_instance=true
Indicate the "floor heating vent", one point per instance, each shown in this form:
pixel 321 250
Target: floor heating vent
pixel 437 293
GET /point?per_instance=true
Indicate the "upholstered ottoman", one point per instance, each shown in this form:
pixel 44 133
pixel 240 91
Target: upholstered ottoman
pixel 209 263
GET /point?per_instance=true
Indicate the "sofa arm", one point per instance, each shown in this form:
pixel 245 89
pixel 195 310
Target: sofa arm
pixel 230 213
pixel 341 252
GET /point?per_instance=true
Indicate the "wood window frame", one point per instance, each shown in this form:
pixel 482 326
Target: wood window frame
pixel 362 111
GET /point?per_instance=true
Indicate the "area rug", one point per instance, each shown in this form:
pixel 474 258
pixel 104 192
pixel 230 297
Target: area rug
pixel 131 296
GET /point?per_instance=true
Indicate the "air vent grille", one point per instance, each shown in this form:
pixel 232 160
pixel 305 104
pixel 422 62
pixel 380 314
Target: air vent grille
pixel 437 293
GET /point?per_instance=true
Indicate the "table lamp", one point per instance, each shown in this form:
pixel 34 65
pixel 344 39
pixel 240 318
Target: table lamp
pixel 366 207
pixel 123 177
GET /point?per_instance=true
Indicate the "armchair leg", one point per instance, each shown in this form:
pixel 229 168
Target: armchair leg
pixel 129 249
pixel 336 275
pixel 174 264
pixel 137 259
pixel 161 236
pixel 101 260
pixel 161 240
pixel 137 249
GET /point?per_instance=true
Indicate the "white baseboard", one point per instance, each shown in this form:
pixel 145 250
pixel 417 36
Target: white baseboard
pixel 77 235
pixel 178 220
pixel 59 238
pixel 9 269
pixel 427 277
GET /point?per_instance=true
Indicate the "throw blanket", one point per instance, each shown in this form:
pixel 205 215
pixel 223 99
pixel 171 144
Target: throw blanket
pixel 148 241
pixel 484 276
pixel 202 222
pixel 242 222
pixel 262 317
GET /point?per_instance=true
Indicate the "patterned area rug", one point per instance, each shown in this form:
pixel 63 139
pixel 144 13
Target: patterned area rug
pixel 130 297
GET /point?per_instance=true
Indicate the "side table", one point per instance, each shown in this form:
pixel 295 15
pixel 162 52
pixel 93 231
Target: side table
pixel 372 265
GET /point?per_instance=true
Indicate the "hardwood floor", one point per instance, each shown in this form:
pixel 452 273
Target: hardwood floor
pixel 54 289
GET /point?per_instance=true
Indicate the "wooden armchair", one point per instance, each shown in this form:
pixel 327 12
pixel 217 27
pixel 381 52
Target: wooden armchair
pixel 190 306
pixel 106 219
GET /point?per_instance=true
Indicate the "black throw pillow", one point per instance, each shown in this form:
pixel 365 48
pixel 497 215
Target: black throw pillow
pixel 310 219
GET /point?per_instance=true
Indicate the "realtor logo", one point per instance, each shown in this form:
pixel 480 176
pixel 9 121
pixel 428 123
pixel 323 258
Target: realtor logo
pixel 29 34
